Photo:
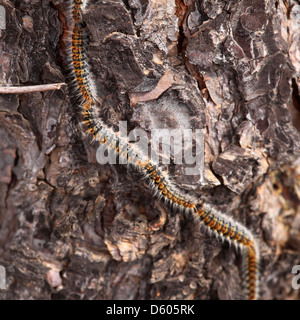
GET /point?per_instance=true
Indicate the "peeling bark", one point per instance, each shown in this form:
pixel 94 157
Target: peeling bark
pixel 73 229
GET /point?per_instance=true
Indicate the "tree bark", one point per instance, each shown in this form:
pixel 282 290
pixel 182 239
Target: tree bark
pixel 71 228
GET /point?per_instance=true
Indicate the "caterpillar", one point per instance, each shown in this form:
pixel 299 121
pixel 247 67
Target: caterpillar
pixel 211 220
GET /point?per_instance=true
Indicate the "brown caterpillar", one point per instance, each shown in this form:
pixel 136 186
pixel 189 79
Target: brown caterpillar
pixel 212 221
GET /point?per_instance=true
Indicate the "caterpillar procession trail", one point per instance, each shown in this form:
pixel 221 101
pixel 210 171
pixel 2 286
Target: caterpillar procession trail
pixel 211 220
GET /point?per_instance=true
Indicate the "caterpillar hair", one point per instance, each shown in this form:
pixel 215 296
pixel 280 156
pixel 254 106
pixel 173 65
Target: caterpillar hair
pixel 80 80
pixel 211 220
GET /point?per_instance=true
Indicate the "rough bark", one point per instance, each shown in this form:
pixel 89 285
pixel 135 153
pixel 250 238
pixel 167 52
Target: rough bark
pixel 73 229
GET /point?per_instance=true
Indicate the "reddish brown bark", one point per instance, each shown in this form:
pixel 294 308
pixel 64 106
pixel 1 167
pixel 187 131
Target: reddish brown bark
pixel 72 229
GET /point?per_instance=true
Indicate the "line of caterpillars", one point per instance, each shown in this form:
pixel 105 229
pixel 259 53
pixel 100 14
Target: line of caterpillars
pixel 219 224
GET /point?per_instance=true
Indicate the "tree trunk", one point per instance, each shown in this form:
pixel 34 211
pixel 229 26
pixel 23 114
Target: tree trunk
pixel 74 229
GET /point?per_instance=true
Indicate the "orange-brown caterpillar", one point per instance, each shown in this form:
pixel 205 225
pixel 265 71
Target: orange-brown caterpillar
pixel 233 232
pixel 160 183
pixel 213 221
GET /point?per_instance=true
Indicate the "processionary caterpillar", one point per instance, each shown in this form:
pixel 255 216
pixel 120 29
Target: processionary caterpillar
pixel 213 221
